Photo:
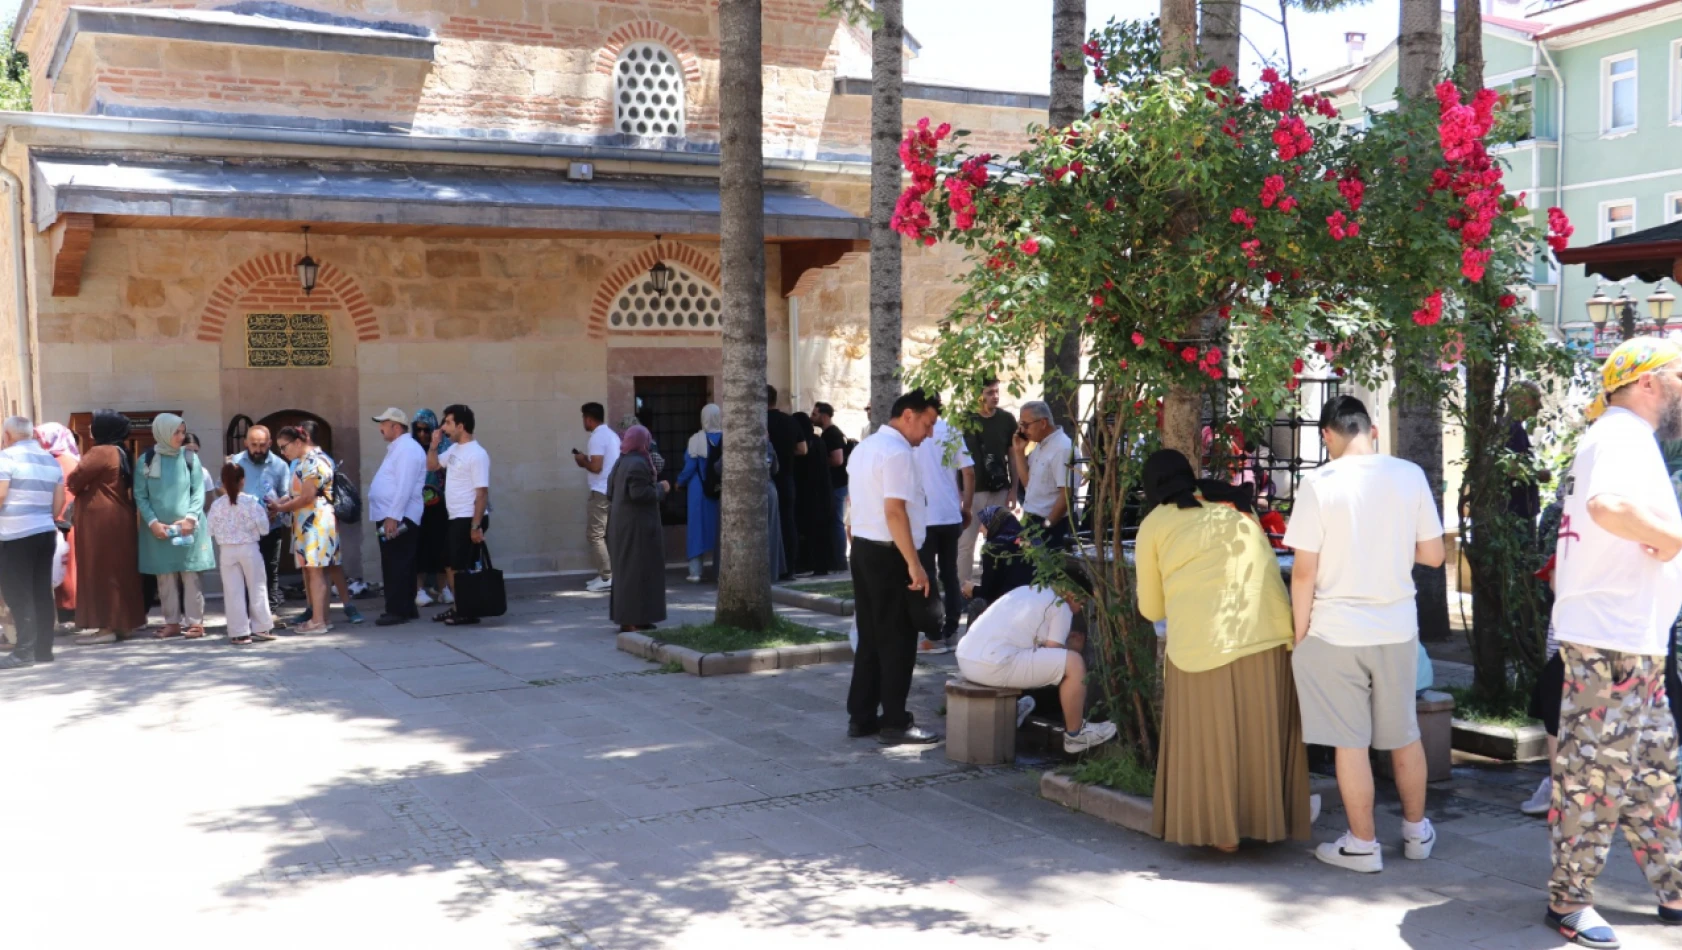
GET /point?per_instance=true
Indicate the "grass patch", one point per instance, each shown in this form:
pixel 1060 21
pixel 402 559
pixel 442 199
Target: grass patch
pixel 671 666
pixel 1119 768
pixel 1505 710
pixel 841 589
pixel 717 638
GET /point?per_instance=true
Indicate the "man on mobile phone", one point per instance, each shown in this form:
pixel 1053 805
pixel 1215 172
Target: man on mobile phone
pixel 597 462
pixel 395 506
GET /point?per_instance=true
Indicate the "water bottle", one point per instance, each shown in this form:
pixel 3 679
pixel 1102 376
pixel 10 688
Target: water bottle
pixel 178 539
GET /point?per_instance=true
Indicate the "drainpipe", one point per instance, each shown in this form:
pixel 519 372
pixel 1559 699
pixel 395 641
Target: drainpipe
pixel 26 376
pixel 1559 181
pixel 794 352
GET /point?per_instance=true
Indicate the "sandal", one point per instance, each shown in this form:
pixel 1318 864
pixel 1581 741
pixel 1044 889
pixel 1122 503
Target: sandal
pixel 167 631
pixel 194 632
pixel 444 617
pixel 456 620
pixel 240 641
pixel 263 637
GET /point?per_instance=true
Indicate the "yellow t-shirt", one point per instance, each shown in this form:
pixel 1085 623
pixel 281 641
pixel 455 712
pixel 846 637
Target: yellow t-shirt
pixel 1212 573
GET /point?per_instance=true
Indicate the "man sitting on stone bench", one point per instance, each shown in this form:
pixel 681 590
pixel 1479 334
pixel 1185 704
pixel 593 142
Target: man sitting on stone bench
pixel 1024 641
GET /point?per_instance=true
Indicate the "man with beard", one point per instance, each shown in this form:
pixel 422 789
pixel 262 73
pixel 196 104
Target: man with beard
pixel 266 476
pixel 1618 589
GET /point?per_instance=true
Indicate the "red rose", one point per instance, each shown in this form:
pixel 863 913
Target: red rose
pixel 1030 247
pixel 1220 77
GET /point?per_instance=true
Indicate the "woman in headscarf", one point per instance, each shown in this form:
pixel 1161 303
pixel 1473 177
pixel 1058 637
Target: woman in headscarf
pixel 60 443
pixel 635 541
pixel 169 493
pixel 704 447
pixel 315 528
pixel 815 512
pixel 1232 763
pixel 1004 566
pixel 109 601
pixel 432 550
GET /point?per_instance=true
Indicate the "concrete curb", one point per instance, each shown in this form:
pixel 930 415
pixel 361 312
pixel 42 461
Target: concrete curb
pixel 1117 808
pixel 822 603
pixel 1506 743
pixel 696 663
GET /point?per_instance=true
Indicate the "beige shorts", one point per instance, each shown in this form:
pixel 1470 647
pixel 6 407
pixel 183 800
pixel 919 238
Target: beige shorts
pixel 1025 669
pixel 1357 697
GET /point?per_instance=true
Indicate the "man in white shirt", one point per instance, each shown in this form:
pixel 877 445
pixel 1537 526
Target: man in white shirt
pixel 597 462
pixel 889 527
pixel 467 496
pixel 1618 587
pixel 1044 472
pixel 1358 525
pixel 948 475
pixel 395 507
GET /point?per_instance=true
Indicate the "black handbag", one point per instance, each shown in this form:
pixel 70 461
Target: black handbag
pixel 480 592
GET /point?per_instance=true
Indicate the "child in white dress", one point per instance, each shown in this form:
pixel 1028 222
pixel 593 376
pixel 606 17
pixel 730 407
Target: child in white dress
pixel 237 522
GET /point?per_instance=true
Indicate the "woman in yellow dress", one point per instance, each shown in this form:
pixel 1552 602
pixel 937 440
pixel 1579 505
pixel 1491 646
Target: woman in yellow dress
pixel 315 529
pixel 1232 763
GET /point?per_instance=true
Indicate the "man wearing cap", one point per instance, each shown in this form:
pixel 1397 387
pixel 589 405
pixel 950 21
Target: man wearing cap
pixel 1618 588
pixel 395 507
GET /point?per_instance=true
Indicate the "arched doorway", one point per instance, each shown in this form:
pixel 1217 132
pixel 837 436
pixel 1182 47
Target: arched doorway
pixel 275 421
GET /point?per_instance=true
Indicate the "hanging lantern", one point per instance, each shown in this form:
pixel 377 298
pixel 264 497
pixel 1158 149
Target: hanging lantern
pixel 307 267
pixel 660 275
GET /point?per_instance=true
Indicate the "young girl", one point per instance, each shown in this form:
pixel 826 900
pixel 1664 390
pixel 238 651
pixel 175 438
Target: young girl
pixel 237 522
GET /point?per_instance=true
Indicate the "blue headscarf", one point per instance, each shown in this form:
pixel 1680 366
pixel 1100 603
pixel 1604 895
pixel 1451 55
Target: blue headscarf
pixel 433 491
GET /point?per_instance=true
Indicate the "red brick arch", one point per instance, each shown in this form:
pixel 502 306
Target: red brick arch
pixel 701 264
pixel 278 271
pixel 658 32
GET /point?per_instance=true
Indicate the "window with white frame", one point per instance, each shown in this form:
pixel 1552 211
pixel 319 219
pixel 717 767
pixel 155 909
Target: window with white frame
pixel 1676 81
pixel 1618 93
pixel 689 303
pixel 1617 218
pixel 648 91
pixel 1673 207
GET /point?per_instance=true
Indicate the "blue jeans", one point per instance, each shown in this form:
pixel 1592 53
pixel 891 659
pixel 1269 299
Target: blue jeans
pixel 840 528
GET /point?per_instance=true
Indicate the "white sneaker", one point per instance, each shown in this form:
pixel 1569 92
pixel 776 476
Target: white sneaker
pixel 447 597
pixel 598 584
pixel 1091 734
pixel 1351 855
pixel 693 578
pixel 1418 849
pixel 1542 801
pixel 422 598
pixel 1024 706
pixel 1314 804
pixel 925 645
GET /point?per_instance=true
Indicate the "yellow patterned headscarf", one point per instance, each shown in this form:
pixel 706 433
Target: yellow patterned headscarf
pixel 1626 364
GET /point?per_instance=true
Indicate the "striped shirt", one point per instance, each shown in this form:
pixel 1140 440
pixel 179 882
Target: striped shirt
pixel 30 476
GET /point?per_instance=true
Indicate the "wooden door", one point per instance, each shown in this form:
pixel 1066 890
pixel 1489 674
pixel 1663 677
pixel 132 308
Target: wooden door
pixel 140 432
pixel 274 422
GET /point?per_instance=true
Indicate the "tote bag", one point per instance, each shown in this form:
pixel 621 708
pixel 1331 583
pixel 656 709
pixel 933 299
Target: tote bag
pixel 480 592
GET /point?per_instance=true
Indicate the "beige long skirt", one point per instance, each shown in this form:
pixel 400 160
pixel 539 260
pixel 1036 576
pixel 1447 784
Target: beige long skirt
pixel 1232 763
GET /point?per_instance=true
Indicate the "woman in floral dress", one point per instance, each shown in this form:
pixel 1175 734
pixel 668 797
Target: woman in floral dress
pixel 315 530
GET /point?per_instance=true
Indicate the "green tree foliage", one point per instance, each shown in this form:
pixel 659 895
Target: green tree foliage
pixel 14 76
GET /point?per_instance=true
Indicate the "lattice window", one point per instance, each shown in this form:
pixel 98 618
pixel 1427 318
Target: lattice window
pixel 648 91
pixel 276 340
pixel 690 303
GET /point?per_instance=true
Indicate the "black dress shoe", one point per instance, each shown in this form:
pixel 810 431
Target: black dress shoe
pixel 910 735
pixel 859 731
pixel 390 620
pixel 14 661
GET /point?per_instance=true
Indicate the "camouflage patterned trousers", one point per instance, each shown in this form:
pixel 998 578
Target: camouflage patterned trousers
pixel 1616 765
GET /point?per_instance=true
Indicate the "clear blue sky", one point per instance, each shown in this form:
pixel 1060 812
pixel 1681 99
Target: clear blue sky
pixel 1006 44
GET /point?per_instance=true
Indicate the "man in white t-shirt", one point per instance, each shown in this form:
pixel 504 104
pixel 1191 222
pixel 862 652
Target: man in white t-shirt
pixel 1618 587
pixel 1044 472
pixel 1359 524
pixel 467 496
pixel 948 476
pixel 889 583
pixel 597 462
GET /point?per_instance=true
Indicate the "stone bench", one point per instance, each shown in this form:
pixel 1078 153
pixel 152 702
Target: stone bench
pixel 1436 733
pixel 980 723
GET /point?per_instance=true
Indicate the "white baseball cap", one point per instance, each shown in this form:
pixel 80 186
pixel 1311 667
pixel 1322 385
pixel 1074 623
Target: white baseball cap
pixel 393 414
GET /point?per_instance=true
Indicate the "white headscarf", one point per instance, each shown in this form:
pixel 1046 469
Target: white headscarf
pixel 712 420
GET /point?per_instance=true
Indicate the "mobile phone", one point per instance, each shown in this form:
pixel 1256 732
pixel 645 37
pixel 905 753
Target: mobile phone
pixel 575 451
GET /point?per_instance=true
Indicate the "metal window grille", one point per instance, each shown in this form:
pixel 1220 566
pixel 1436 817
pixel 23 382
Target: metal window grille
pixel 648 92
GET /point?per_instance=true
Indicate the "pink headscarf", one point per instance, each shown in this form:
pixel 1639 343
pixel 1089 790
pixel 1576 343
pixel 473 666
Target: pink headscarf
pixel 57 440
pixel 636 441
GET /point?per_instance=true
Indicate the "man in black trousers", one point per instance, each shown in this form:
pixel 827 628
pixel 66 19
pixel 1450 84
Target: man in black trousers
pixel 395 506
pixel 787 441
pixel 888 579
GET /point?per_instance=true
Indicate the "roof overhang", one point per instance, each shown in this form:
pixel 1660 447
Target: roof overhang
pixel 399 198
pixel 1648 256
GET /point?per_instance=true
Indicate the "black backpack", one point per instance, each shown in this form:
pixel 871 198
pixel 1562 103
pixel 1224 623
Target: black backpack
pixel 712 477
pixel 347 501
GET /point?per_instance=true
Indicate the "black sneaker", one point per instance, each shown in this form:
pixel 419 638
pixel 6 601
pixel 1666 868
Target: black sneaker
pixel 910 735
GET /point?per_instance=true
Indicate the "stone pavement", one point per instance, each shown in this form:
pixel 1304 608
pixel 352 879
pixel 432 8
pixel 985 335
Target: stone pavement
pixel 523 784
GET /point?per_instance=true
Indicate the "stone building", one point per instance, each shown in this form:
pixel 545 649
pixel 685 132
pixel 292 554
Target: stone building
pixel 486 184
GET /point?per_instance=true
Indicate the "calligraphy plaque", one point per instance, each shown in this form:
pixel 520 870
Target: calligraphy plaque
pixel 280 340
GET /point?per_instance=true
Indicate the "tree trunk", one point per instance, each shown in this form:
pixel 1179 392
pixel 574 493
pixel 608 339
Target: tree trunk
pixel 1182 407
pixel 1468 45
pixel 1221 33
pixel 1419 424
pixel 1068 104
pixel 887 118
pixel 1179 34
pixel 744 576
